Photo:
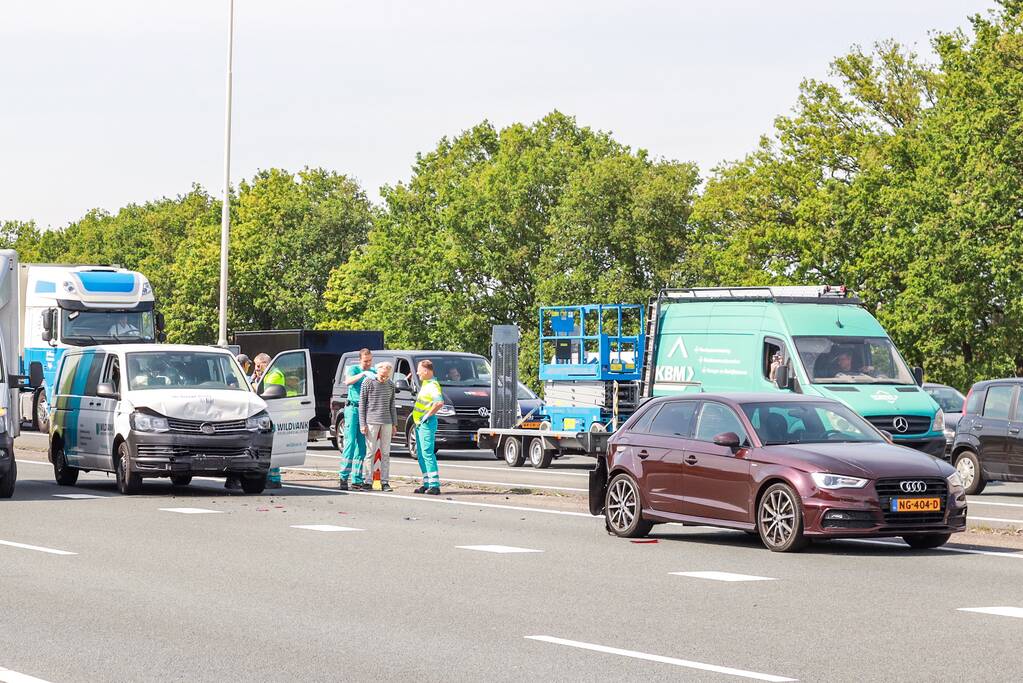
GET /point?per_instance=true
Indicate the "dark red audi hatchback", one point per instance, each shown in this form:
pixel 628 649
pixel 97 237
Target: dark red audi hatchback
pixel 788 468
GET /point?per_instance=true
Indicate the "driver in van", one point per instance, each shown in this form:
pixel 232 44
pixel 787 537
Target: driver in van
pixel 844 365
pixel 454 375
pixel 122 327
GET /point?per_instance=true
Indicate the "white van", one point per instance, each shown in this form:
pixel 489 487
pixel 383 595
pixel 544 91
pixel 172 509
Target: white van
pixel 144 411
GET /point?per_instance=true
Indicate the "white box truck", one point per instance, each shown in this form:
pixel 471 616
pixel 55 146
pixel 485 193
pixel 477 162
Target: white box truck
pixel 10 381
pixel 66 306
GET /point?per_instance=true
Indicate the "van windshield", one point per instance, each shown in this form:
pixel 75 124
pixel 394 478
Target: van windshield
pixel 852 360
pixel 788 423
pixel 460 371
pixel 183 370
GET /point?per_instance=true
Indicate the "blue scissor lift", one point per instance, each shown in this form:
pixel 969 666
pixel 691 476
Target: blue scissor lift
pixel 591 363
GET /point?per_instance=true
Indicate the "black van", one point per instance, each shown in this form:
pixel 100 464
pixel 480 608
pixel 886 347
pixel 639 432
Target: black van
pixel 464 379
pixel 988 443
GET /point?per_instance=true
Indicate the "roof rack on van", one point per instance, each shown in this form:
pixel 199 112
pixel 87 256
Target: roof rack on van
pixel 786 294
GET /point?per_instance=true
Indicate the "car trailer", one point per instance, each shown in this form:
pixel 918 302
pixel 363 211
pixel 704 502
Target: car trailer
pixel 591 362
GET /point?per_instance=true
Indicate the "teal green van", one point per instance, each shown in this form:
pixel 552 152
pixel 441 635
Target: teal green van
pixel 810 340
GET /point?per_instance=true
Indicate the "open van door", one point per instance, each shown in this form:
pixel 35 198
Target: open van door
pixel 292 411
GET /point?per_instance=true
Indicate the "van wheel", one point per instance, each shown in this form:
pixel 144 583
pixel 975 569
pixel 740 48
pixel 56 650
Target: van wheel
pixel 926 541
pixel 254 483
pixel 339 430
pixel 511 448
pixel 780 520
pixel 181 479
pixel 128 483
pixel 40 412
pixel 623 509
pixel 969 469
pixel 63 474
pixel 7 483
pixel 539 457
pixel 410 441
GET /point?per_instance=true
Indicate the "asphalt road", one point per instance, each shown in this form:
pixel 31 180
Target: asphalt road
pixel 154 590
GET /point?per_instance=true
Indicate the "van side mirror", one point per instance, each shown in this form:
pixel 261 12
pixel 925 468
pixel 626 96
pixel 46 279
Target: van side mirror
pixel 49 324
pixel 918 375
pixel 273 391
pixel 19 382
pixel 782 377
pixel 161 336
pixel 160 322
pixel 401 384
pixel 106 390
pixel 728 440
pixel 35 373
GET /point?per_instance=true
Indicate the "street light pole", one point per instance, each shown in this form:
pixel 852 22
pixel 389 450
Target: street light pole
pixel 225 210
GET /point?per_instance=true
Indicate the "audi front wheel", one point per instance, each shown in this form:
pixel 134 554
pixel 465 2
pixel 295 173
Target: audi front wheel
pixel 623 509
pixel 780 519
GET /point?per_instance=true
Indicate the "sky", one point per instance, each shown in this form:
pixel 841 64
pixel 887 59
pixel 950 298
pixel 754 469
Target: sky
pixel 111 102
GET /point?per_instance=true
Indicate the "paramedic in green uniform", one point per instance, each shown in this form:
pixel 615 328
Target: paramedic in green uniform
pixel 275 376
pixel 424 414
pixel 355 442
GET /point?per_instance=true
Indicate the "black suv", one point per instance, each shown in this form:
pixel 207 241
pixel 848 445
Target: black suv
pixel 988 443
pixel 464 379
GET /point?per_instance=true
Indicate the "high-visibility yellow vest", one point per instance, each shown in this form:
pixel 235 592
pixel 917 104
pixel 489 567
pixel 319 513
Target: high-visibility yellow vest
pixel 429 394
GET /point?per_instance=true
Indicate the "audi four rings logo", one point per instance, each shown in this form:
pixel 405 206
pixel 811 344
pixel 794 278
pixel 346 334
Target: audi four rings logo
pixel 900 424
pixel 484 412
pixel 913 486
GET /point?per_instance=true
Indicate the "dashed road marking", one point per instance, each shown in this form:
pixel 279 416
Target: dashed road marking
pixel 974 501
pixel 324 527
pixel 996 519
pixel 968 551
pixel 192 511
pixel 39 548
pixel 998 611
pixel 8 676
pixel 77 496
pixel 501 549
pixel 661 659
pixel 722 576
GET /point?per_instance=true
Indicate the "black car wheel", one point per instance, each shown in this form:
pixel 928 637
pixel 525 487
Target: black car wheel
pixel 410 441
pixel 181 479
pixel 623 509
pixel 926 541
pixel 511 448
pixel 128 483
pixel 7 481
pixel 254 483
pixel 780 519
pixel 539 457
pixel 339 430
pixel 63 474
pixel 967 464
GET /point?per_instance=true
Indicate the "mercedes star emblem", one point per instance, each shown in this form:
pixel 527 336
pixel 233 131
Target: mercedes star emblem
pixel 900 424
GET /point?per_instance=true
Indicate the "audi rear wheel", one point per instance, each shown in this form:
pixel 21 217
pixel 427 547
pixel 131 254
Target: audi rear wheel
pixel 780 519
pixel 623 509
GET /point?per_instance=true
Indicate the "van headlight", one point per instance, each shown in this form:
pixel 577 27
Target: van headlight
pixel 259 423
pixel 144 422
pixel 938 424
pixel 836 481
pixel 446 410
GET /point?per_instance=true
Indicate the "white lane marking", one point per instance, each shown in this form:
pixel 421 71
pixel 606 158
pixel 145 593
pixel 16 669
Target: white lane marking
pixel 25 546
pixel 8 676
pixel 722 576
pixel 501 549
pixel 661 659
pixel 968 551
pixel 972 501
pixel 427 499
pixel 506 484
pixel 996 519
pixel 192 511
pixel 324 527
pixel 33 462
pixel 998 611
pixel 77 496
pixel 444 465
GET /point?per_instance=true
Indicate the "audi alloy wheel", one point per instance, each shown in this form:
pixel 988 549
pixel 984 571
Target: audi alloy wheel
pixel 780 519
pixel 623 509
